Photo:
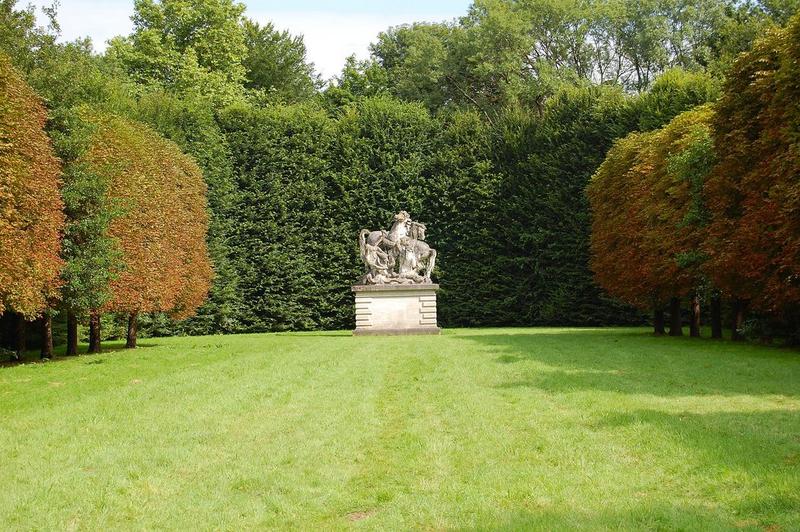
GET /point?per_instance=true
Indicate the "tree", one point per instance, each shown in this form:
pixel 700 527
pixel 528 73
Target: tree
pixel 414 57
pixel 672 93
pixel 161 229
pixel 20 37
pixel 276 64
pixel 188 46
pixel 31 208
pixel 91 256
pixel 649 216
pixel 622 264
pixel 191 124
pixel 754 195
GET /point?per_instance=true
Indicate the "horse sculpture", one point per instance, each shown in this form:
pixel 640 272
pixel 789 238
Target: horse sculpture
pixel 397 256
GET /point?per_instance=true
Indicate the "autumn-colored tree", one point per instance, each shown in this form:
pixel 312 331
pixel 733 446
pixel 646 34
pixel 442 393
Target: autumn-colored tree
pixel 161 227
pixel 621 261
pixel 31 216
pixel 754 192
pixel 687 151
pixel 682 157
pixel 648 216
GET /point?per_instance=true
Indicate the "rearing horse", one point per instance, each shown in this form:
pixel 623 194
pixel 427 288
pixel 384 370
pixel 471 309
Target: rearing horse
pixel 387 241
pixel 402 246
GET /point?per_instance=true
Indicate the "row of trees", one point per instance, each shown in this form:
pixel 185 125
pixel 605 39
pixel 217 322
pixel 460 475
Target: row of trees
pixel 708 207
pixel 519 53
pixel 117 223
pixel 488 128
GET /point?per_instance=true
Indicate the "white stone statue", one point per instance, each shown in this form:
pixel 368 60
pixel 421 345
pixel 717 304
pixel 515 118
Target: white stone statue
pixel 397 256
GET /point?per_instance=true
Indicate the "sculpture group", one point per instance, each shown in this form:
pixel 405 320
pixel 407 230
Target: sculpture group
pixel 397 256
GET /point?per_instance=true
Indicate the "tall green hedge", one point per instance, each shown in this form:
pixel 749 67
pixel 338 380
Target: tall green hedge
pixel 504 205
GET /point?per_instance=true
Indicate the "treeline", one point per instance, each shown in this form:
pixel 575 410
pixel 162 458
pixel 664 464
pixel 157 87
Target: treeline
pixel 117 223
pixel 488 128
pixel 707 208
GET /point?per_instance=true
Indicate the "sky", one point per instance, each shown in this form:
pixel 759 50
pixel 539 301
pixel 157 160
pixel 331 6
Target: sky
pixel 332 29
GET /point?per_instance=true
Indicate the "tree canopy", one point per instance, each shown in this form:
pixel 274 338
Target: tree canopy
pixel 754 192
pixel 162 221
pixel 31 209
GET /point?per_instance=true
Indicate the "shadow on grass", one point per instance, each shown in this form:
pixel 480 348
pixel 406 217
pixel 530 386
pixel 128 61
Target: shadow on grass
pixel 743 452
pixel 638 363
pixel 32 357
pixel 762 447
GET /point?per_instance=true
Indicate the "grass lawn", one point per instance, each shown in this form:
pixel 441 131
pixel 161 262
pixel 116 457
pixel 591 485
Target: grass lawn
pixel 514 428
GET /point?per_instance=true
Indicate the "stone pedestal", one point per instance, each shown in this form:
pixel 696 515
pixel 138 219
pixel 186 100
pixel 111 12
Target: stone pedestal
pixel 396 309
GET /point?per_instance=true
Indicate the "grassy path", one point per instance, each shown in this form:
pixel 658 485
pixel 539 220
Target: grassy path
pixel 521 428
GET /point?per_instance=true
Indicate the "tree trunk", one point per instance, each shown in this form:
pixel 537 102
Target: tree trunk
pixel 658 322
pixel 94 332
pixel 47 336
pixel 675 325
pixel 694 326
pixel 738 320
pixel 716 316
pixel 20 336
pixel 72 334
pixel 132 329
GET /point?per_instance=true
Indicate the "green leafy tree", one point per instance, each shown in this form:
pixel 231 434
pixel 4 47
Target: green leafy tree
pixel 91 256
pixel 276 64
pixel 674 92
pixel 414 57
pixel 189 46
pixel 20 37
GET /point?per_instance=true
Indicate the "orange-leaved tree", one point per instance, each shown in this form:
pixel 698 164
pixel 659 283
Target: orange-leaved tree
pixel 622 262
pixel 648 216
pixel 753 194
pixel 31 209
pixel 676 216
pixel 161 228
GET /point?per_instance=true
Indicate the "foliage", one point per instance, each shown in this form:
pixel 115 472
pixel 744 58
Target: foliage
pixel 461 202
pixel 31 208
pixel 754 193
pixel 91 256
pixel 542 223
pixel 414 58
pixel 192 125
pixel 190 46
pixel 674 92
pixel 69 75
pixel 505 206
pixel 20 37
pixel 648 211
pixel 276 64
pixel 505 53
pixel 488 128
pixel 283 233
pixel 161 231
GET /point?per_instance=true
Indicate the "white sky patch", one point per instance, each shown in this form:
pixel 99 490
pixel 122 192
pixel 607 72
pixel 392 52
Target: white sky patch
pixel 87 18
pixel 330 37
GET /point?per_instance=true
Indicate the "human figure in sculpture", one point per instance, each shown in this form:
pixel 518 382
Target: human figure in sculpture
pixel 408 258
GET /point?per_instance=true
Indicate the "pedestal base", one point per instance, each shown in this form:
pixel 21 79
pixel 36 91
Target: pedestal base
pixel 396 309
